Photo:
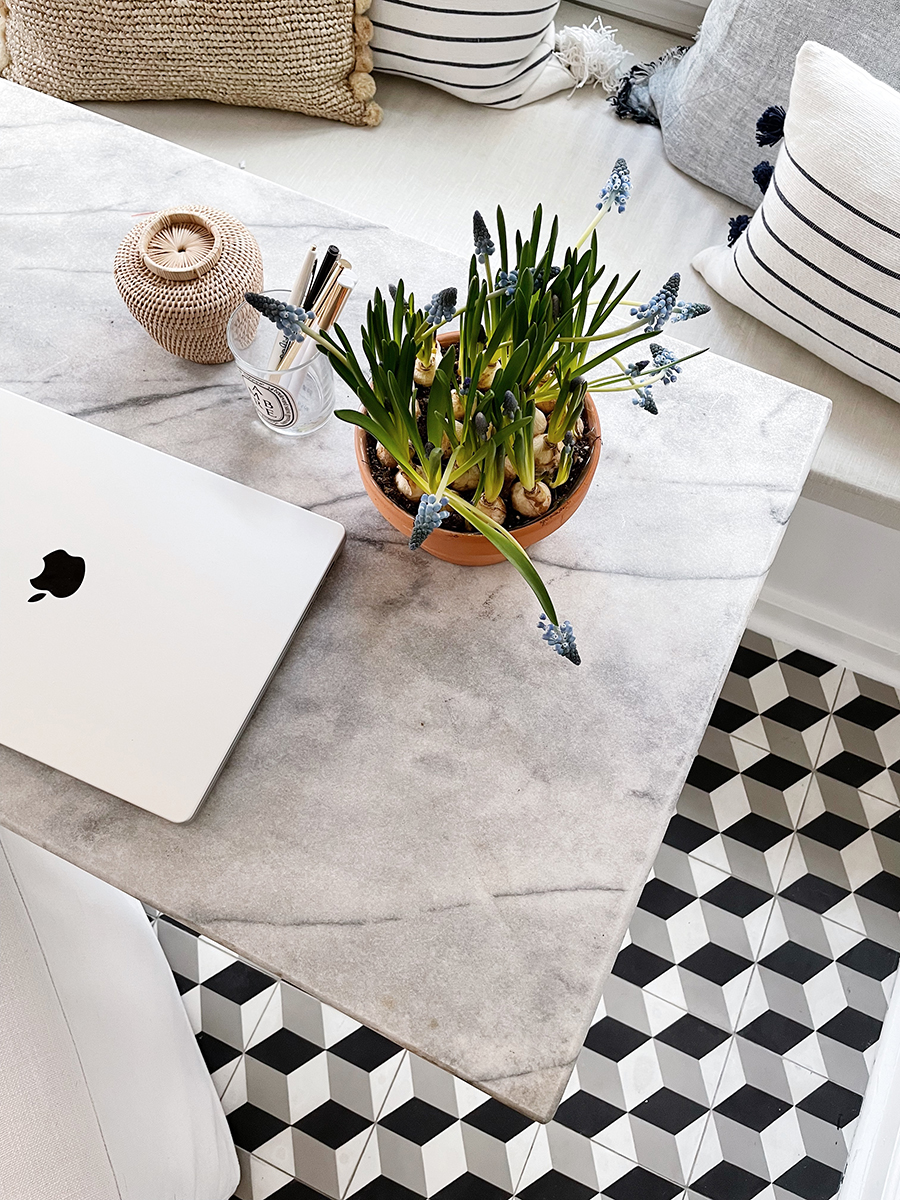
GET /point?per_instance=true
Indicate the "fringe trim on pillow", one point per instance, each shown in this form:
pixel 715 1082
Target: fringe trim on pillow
pixel 591 54
pixel 632 97
pixel 360 81
pixel 4 49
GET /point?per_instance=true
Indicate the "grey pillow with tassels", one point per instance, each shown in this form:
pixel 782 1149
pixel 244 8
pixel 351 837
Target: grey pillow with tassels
pixel 706 98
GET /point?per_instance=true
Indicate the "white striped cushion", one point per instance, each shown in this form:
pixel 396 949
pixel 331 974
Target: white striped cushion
pixel 820 260
pixel 495 52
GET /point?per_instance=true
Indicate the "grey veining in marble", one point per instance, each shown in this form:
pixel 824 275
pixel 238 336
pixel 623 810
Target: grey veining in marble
pixel 431 822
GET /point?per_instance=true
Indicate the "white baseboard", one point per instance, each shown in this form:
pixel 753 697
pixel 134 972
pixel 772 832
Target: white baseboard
pixel 675 16
pixel 834 589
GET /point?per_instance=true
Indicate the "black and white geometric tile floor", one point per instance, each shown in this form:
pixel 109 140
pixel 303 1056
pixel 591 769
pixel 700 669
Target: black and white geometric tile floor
pixel 734 1039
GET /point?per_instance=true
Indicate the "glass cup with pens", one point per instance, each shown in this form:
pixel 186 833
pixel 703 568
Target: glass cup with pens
pixel 291 383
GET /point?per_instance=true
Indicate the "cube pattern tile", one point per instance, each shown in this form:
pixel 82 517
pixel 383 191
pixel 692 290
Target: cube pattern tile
pixel 734 1039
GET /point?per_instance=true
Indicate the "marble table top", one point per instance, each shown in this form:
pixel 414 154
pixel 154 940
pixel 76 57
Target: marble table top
pixel 431 822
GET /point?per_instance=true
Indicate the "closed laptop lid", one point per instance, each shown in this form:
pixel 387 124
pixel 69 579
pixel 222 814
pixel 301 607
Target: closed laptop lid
pixel 163 598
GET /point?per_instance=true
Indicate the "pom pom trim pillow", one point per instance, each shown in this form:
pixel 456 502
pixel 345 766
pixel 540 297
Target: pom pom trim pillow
pixel 498 52
pixel 820 259
pixel 308 56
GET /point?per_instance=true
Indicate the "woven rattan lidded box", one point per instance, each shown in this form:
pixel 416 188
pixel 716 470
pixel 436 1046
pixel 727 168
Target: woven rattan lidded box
pixel 183 272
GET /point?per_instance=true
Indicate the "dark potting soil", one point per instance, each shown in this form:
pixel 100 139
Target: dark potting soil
pixel 384 477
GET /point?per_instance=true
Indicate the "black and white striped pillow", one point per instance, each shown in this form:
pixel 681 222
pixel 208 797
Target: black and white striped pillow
pixel 820 260
pixel 496 52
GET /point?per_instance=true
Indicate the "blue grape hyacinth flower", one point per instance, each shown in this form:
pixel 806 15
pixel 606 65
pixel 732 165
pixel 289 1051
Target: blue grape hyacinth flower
pixel 663 358
pixel 644 399
pixel 508 281
pixel 560 638
pixel 442 306
pixel 685 311
pixel 510 406
pixel 287 317
pixel 618 187
pixel 660 307
pixel 431 515
pixel 484 245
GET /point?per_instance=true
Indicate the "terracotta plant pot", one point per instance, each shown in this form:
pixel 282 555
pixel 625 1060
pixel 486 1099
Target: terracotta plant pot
pixel 473 549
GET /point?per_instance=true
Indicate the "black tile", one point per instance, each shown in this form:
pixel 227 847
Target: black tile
pixel 775 1031
pixel 613 1039
pixel 748 663
pixel 737 897
pixel 776 772
pixel 882 888
pixel 795 962
pixel 750 1107
pixel 284 1051
pixel 365 1049
pixel 808 663
pixel 295 1190
pixel 663 900
pixel 832 830
pixel 814 893
pixel 556 1186
pixel 870 959
pixel 685 834
pixel 811 1180
pixel 215 1053
pixel 890 827
pixel 178 925
pixel 641 1184
pixel 728 1182
pixel 729 717
pixel 238 982
pixel 865 711
pixel 706 775
pixel 668 1110
pixel 587 1114
pixel 469 1187
pixel 639 966
pixel 382 1188
pixel 832 1103
pixel 417 1121
pixel 758 832
pixel 183 984
pixel 716 964
pixel 692 1036
pixel 794 713
pixel 850 768
pixel 852 1028
pixel 251 1127
pixel 497 1120
pixel 332 1124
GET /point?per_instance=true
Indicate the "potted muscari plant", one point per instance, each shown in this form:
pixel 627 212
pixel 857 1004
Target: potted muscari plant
pixel 484 447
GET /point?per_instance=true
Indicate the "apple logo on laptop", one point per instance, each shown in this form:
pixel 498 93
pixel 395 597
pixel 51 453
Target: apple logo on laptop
pixel 62 576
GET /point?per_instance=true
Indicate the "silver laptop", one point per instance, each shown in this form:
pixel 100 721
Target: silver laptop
pixel 144 606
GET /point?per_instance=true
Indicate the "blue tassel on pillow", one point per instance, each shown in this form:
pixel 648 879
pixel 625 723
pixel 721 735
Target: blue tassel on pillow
pixel 762 175
pixel 736 227
pixel 770 126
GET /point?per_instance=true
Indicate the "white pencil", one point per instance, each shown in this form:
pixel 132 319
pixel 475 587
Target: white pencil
pixel 297 293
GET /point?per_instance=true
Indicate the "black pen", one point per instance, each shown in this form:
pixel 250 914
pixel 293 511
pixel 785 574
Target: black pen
pixel 329 258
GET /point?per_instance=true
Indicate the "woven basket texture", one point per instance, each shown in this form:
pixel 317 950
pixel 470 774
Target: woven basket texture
pixel 188 316
pixel 309 56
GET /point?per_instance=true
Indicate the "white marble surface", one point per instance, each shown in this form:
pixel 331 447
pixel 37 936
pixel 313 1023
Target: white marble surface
pixel 431 822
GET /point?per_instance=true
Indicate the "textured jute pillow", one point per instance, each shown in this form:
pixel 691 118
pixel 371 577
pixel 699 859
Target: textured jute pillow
pixel 309 56
pixel 820 259
pixel 498 53
pixel 742 62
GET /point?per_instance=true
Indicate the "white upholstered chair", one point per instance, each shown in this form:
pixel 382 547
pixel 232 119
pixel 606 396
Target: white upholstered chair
pixel 103 1092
